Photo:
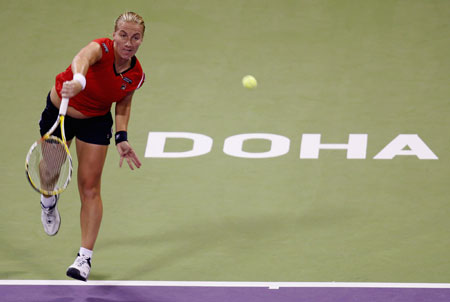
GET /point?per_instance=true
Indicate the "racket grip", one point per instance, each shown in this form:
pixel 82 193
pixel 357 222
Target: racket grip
pixel 63 106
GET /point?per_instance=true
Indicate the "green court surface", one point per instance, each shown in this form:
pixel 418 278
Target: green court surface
pixel 327 67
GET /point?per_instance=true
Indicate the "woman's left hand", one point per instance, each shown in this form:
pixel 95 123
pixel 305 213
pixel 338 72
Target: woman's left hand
pixel 126 152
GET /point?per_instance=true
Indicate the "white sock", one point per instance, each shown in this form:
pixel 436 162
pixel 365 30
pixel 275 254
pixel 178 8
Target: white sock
pixel 48 202
pixel 85 252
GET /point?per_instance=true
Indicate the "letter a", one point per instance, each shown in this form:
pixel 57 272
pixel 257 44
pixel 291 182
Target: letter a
pixel 416 147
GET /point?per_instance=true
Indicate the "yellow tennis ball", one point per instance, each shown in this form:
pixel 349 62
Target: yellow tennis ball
pixel 249 82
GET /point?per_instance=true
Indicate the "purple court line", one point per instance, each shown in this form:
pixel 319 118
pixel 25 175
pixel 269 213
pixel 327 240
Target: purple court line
pixel 155 293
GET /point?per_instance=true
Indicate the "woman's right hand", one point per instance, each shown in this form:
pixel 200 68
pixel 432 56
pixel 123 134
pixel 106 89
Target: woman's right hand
pixel 71 89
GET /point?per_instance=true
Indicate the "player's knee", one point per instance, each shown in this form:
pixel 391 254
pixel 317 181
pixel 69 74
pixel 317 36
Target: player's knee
pixel 89 192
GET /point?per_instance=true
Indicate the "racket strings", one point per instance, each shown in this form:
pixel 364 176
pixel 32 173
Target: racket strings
pixel 49 165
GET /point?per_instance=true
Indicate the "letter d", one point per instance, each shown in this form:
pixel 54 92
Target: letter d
pixel 157 140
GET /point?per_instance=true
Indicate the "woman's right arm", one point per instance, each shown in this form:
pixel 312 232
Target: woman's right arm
pixel 86 57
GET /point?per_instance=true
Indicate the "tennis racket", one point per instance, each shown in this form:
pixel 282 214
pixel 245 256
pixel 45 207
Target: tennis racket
pixel 48 164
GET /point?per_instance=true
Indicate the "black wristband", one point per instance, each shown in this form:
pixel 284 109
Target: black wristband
pixel 121 136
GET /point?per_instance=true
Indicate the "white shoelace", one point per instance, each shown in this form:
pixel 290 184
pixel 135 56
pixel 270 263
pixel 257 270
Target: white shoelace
pixel 81 260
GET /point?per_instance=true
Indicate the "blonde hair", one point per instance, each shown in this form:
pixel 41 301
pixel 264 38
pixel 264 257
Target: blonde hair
pixel 130 17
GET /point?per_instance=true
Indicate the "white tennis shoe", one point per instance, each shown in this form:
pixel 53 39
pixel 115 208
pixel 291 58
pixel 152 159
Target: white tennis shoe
pixel 80 269
pixel 51 220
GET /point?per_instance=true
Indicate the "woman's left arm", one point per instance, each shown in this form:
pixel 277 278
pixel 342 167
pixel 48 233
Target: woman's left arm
pixel 123 109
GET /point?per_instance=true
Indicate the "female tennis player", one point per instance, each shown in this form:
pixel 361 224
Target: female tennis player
pixel 102 73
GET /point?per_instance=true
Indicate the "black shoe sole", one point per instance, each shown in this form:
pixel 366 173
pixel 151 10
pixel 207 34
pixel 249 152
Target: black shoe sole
pixel 75 274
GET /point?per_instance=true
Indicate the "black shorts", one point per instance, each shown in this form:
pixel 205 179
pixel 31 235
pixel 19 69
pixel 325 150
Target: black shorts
pixel 96 130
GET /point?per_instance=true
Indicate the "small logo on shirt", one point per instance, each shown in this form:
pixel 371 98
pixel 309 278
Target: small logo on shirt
pixel 105 47
pixel 126 80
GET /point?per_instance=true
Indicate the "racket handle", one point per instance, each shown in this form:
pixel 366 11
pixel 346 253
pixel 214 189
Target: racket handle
pixel 63 106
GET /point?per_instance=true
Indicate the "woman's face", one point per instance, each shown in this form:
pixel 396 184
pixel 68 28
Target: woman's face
pixel 127 39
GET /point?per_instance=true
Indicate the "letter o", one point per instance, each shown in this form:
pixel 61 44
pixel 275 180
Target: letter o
pixel 279 145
